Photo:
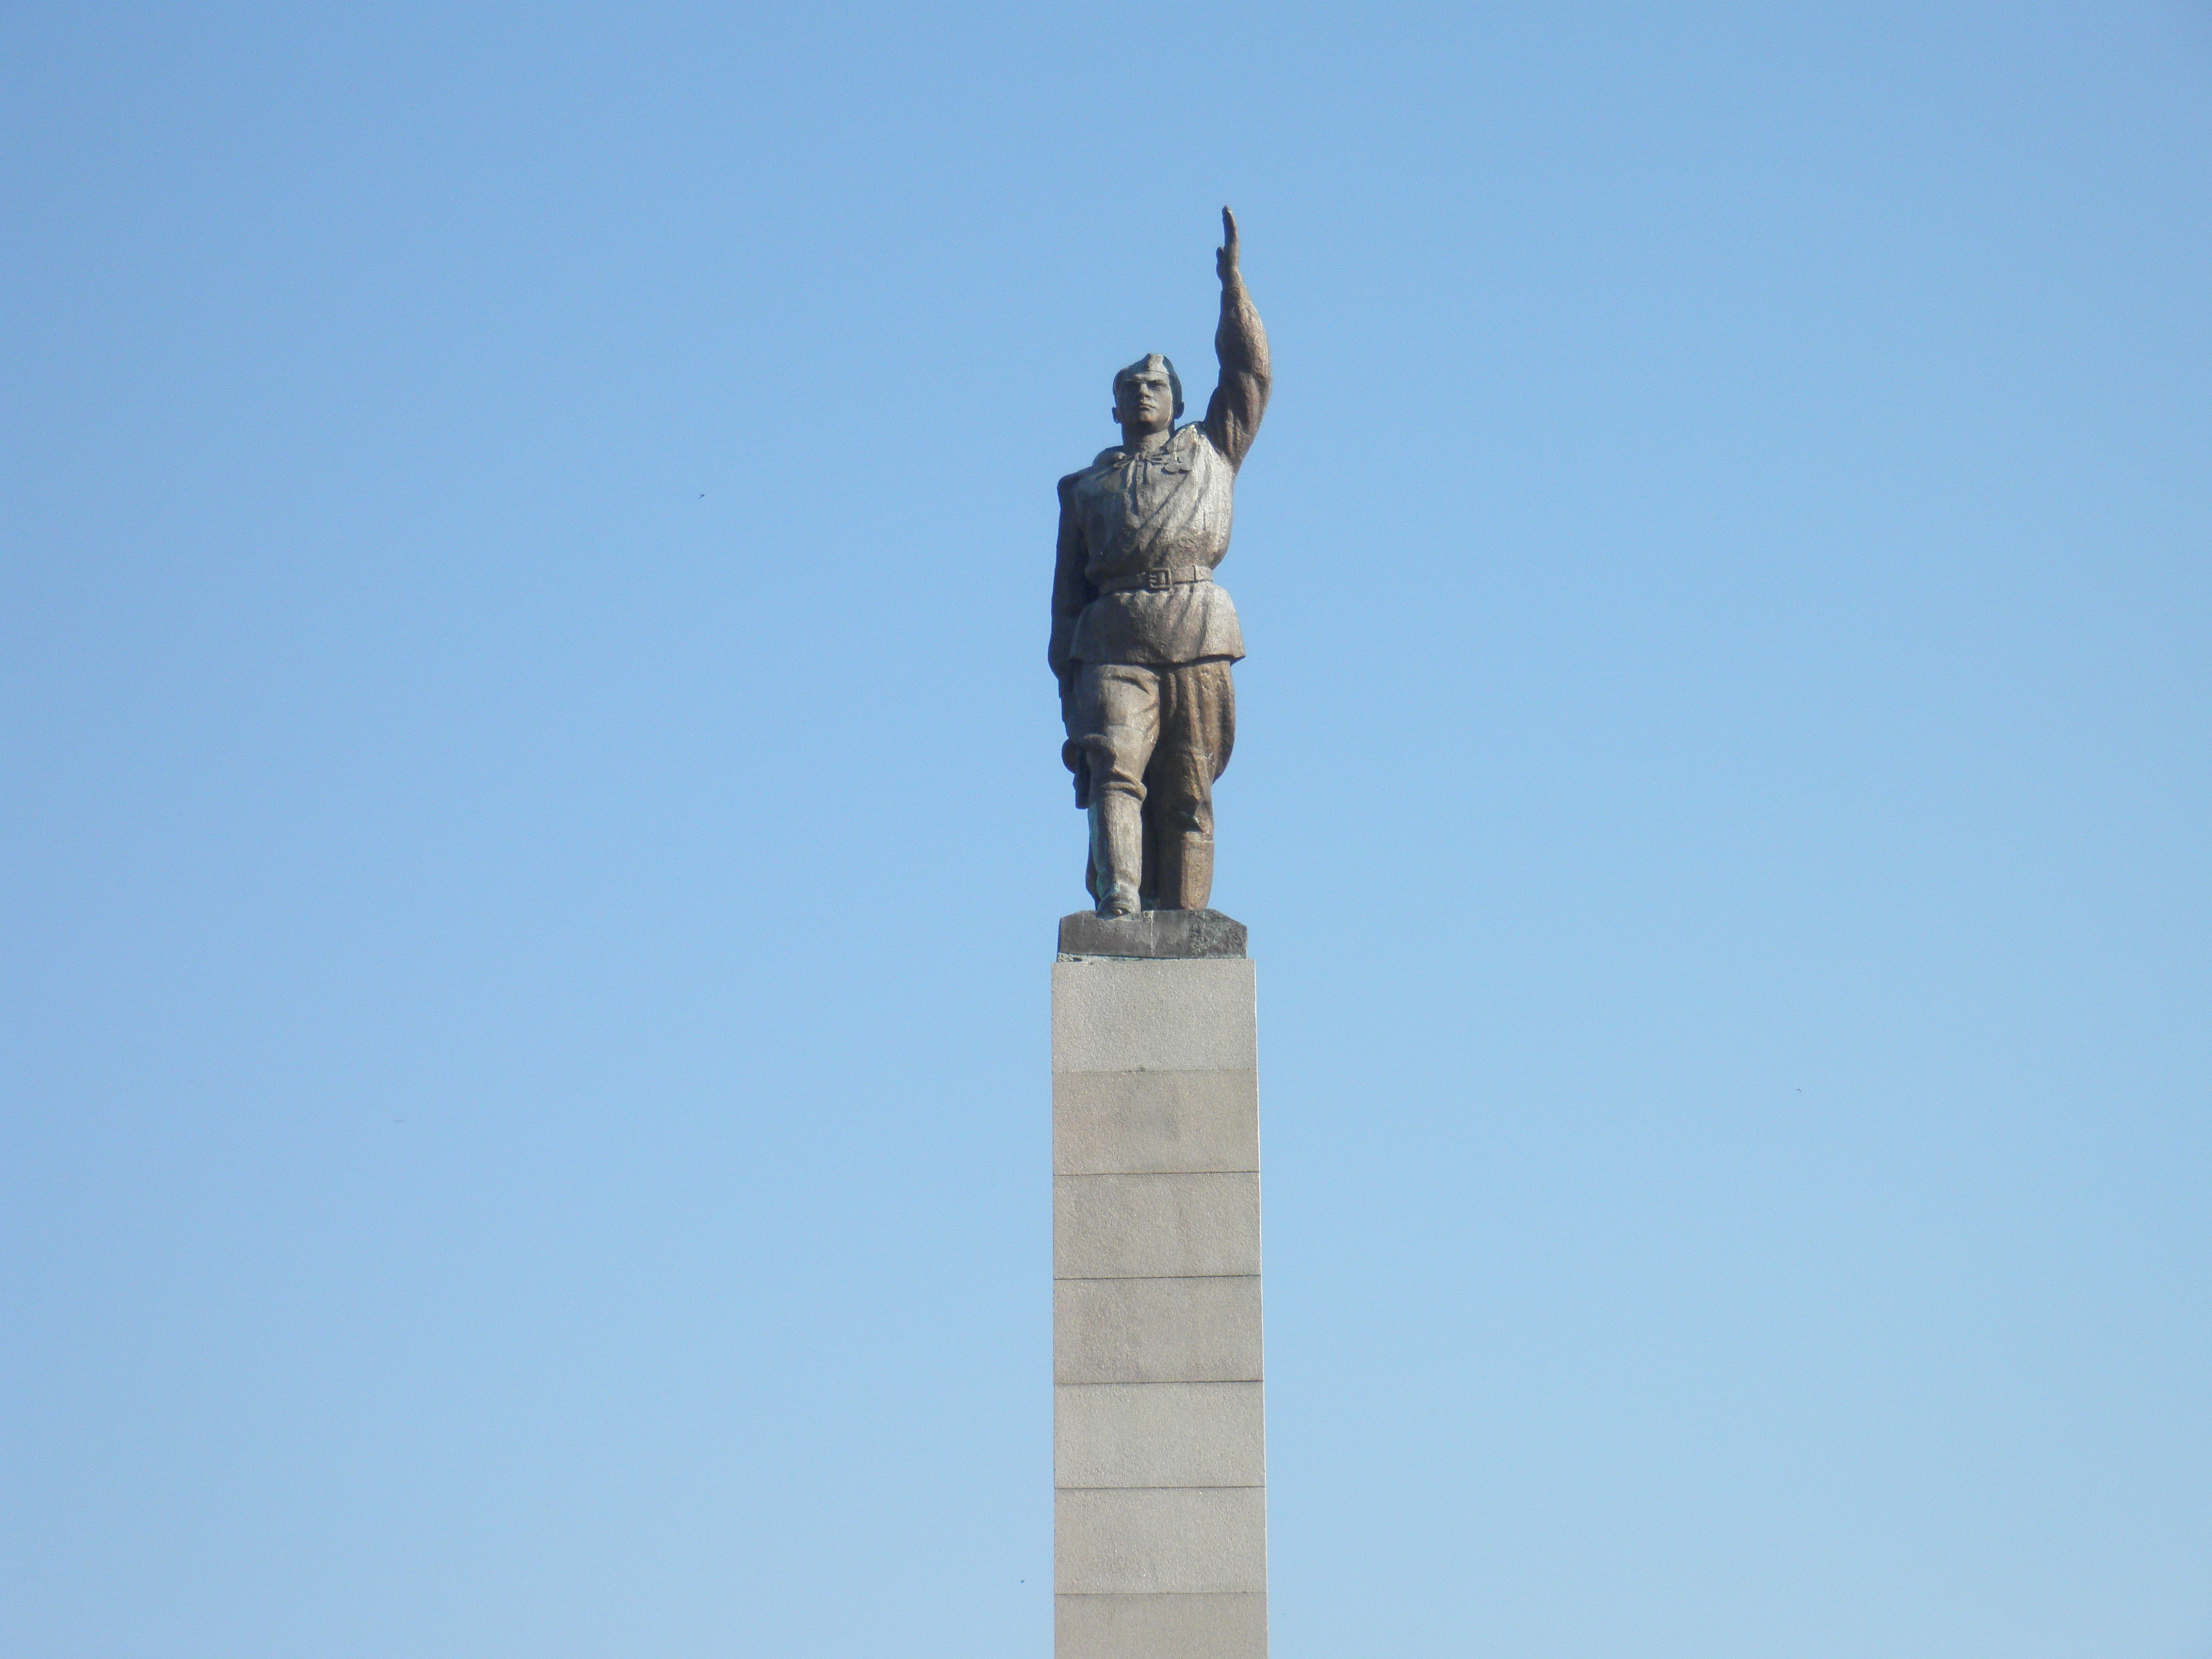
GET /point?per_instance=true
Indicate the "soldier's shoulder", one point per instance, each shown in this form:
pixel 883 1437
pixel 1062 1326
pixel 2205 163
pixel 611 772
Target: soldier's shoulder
pixel 1105 458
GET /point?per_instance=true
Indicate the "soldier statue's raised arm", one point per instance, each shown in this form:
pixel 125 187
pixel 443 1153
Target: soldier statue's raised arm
pixel 1142 637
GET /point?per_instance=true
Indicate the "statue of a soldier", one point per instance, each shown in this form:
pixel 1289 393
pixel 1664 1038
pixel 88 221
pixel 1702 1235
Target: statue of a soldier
pixel 1142 638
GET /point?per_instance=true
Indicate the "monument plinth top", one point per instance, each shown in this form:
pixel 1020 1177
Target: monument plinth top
pixel 1157 934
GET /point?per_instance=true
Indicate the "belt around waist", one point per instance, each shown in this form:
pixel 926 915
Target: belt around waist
pixel 1157 582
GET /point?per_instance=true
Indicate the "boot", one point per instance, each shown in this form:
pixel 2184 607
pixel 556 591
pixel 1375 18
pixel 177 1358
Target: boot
pixel 1186 874
pixel 1117 852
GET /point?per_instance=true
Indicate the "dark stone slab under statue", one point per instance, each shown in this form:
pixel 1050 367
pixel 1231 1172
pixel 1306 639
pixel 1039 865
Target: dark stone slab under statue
pixel 1153 934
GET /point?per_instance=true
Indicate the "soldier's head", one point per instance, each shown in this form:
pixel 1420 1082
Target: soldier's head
pixel 1148 395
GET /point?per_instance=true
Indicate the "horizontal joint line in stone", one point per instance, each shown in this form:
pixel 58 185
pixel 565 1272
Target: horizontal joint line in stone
pixel 1172 1382
pixel 1118 1278
pixel 1164 1382
pixel 1141 1175
pixel 1242 1485
pixel 1125 1279
pixel 1157 1383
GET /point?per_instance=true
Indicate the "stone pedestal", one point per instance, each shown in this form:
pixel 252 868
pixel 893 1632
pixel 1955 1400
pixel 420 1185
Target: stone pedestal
pixel 1158 1451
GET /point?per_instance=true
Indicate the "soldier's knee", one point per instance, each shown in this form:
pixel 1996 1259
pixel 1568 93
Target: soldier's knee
pixel 1184 816
pixel 1110 764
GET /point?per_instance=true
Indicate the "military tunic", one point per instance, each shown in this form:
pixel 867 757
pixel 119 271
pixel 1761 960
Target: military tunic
pixel 1168 511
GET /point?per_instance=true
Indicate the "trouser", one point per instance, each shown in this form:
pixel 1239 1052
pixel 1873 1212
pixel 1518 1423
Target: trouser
pixel 1145 744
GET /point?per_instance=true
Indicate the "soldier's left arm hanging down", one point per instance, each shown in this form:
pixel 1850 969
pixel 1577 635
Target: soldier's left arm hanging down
pixel 1071 592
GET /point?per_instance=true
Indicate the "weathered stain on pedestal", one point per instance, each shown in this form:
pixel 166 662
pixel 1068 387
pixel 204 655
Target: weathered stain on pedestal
pixel 1158 1447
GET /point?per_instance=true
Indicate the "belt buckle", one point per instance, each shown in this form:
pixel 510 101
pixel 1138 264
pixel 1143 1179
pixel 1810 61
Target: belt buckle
pixel 1158 581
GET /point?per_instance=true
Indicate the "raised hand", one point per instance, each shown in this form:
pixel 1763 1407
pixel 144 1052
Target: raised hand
pixel 1224 256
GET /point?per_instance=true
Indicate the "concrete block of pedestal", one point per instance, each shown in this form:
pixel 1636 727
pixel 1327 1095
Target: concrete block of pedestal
pixel 1160 1539
pixel 1155 1122
pixel 1231 1626
pixel 1156 1330
pixel 1159 1434
pixel 1155 1226
pixel 1122 1016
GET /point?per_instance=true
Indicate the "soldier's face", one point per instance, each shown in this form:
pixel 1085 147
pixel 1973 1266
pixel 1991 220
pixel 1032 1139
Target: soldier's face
pixel 1145 400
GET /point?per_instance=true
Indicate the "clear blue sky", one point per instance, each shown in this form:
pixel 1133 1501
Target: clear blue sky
pixel 535 823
